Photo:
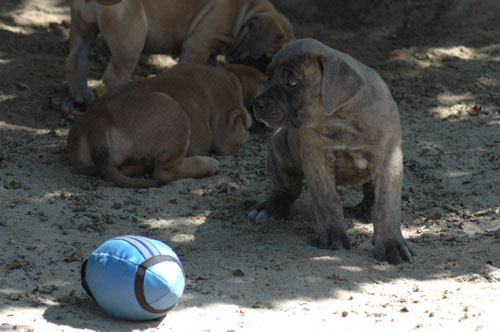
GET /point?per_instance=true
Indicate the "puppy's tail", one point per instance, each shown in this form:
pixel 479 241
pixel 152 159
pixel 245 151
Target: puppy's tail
pixel 104 164
pixel 108 2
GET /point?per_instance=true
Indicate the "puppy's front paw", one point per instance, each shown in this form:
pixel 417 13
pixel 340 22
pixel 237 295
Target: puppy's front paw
pixel 393 250
pixel 334 237
pixel 85 97
pixel 265 213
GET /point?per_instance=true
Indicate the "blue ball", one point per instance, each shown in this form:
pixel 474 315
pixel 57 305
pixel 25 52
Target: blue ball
pixel 134 277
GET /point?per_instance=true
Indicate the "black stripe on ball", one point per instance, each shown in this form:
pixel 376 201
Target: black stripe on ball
pixel 83 274
pixel 139 281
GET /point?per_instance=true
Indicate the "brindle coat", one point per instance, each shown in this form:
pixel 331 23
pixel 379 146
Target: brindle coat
pixel 337 125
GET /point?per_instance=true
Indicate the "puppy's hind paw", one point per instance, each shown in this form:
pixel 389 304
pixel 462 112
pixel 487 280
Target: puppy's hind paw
pixel 206 166
pixel 213 165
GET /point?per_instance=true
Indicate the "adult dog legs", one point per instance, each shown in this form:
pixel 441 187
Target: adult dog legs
pixel 77 63
pixel 125 45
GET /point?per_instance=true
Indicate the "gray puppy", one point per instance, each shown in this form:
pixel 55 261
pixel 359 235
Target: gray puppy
pixel 337 125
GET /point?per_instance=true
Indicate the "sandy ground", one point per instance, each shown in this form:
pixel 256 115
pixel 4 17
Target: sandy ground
pixel 441 60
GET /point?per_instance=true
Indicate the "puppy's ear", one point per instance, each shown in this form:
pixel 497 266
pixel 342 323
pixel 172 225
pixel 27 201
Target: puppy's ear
pixel 267 35
pixel 286 28
pixel 340 83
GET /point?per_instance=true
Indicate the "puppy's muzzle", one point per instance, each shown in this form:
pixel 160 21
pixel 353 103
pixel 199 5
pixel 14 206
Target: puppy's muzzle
pixel 258 109
pixel 259 104
pixel 267 114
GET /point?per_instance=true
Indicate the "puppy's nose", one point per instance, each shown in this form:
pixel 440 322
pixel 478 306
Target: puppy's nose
pixel 259 104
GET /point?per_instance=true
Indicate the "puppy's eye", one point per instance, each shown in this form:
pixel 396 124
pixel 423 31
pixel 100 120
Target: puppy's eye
pixel 292 83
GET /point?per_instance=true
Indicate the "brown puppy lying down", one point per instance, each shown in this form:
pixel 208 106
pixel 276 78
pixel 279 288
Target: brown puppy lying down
pixel 246 31
pixel 338 125
pixel 165 125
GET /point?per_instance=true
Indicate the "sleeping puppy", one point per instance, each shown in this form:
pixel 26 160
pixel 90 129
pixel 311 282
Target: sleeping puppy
pixel 338 125
pixel 246 31
pixel 165 125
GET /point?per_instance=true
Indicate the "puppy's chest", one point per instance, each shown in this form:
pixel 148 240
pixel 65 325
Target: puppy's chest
pixel 351 167
pixel 344 152
pixel 347 156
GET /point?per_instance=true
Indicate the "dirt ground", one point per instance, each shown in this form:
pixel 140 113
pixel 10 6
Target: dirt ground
pixel 441 60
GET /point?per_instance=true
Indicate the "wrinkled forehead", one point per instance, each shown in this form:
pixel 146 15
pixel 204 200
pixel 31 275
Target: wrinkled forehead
pixel 298 56
pixel 300 64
